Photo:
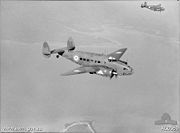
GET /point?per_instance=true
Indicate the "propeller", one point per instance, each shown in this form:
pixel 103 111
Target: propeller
pixel 57 56
pixel 113 73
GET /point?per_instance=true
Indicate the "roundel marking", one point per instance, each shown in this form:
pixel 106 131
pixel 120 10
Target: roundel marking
pixel 76 58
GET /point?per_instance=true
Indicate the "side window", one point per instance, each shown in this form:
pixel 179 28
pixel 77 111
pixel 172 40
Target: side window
pixel 99 62
pixel 80 58
pixel 87 59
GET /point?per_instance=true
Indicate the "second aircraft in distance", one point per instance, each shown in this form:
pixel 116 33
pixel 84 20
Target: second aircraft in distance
pixel 153 7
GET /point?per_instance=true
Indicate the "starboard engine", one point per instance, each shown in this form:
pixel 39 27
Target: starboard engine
pixel 107 72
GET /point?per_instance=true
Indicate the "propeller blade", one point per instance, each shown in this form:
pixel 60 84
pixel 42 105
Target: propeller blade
pixel 111 76
pixel 113 73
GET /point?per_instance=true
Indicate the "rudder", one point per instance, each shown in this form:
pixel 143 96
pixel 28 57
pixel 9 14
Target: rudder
pixel 70 44
pixel 46 50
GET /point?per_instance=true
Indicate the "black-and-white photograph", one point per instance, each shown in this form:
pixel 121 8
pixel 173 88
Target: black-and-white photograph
pixel 90 66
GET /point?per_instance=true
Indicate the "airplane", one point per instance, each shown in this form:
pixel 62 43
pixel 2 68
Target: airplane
pixel 100 64
pixel 153 7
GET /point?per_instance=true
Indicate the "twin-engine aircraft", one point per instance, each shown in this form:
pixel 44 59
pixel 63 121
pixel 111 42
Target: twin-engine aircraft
pixel 105 65
pixel 153 7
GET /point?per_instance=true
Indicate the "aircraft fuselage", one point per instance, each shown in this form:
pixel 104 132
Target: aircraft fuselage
pixel 100 60
pixel 155 8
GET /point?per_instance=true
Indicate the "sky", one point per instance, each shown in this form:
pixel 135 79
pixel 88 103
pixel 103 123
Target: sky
pixel 33 94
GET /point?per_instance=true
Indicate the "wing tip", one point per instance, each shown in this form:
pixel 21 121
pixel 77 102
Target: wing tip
pixel 123 49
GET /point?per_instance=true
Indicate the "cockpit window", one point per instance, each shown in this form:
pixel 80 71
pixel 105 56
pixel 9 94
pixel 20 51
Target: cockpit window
pixel 125 68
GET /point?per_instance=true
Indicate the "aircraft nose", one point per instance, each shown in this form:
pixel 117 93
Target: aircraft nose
pixel 131 70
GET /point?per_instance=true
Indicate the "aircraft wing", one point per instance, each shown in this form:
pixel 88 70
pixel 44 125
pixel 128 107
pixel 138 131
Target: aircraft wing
pixel 81 70
pixel 117 54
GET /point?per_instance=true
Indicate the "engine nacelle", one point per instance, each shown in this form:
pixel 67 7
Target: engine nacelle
pixel 104 72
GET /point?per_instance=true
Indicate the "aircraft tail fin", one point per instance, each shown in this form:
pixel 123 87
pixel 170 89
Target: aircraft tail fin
pixel 145 4
pixel 159 5
pixel 46 50
pixel 70 44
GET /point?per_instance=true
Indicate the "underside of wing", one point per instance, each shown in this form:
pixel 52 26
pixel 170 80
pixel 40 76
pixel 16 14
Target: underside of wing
pixel 117 54
pixel 81 70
